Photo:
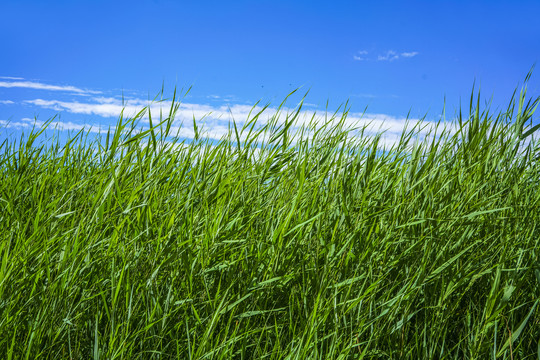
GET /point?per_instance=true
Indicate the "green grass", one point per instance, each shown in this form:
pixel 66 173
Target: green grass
pixel 272 244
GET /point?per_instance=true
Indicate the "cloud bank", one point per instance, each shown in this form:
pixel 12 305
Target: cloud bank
pixel 213 121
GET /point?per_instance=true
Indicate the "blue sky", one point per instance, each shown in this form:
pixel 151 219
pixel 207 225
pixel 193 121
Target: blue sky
pixel 77 58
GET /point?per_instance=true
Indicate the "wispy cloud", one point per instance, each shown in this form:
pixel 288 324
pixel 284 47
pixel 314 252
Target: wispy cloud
pixel 42 86
pixel 409 54
pixel 111 108
pixel 6 102
pixel 360 55
pixel 11 78
pixel 389 55
pixel 26 123
pixel 368 96
pixel 373 96
pixel 226 98
pixel 214 120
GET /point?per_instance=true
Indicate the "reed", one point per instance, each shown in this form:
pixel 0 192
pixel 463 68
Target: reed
pixel 271 244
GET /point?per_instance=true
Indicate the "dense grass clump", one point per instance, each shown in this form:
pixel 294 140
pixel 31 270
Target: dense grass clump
pixel 274 243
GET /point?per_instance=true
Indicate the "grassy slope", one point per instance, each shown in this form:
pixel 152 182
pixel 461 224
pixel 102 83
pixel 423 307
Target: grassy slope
pixel 199 251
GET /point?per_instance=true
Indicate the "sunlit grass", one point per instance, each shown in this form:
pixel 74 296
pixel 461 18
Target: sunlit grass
pixel 272 243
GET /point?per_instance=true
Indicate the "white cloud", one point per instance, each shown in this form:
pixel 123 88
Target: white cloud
pixel 7 124
pixel 101 108
pixel 11 78
pixel 42 86
pixel 389 56
pixel 360 55
pixel 111 107
pixel 26 123
pixel 409 54
pixel 6 102
pixel 369 96
pixel 213 120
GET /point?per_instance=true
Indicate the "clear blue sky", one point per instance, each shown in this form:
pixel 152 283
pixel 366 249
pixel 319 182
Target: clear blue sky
pixel 391 56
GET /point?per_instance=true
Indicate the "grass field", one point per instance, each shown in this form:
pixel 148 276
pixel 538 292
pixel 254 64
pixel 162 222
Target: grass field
pixel 271 244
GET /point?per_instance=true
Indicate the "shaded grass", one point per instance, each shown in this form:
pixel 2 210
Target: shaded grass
pixel 273 244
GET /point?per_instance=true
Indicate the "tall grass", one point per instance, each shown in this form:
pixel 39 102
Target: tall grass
pixel 271 244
